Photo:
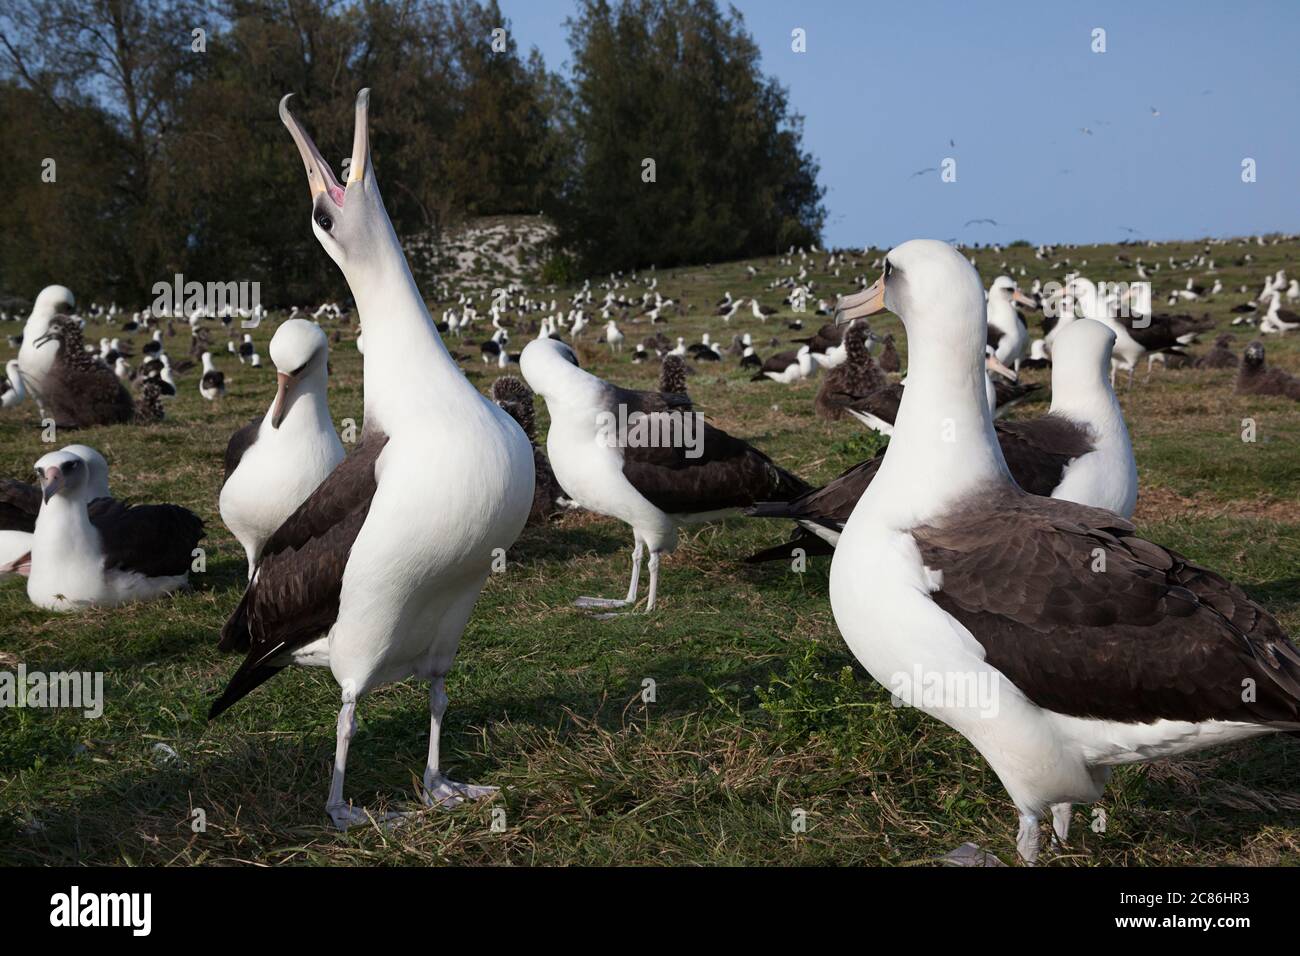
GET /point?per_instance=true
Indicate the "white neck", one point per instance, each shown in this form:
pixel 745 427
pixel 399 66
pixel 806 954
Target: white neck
pixel 943 446
pixel 409 375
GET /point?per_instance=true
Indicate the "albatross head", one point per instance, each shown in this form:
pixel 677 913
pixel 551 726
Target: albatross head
pixel 52 300
pixel 548 366
pixel 299 349
pixel 349 220
pixel 61 472
pixel 96 469
pixel 1005 289
pixel 930 286
pixel 1081 357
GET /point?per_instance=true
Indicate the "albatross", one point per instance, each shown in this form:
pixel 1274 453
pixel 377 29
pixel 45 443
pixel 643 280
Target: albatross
pixel 78 390
pixel 1079 451
pixel 89 550
pixel 35 361
pixel 645 458
pixel 1088 646
pixel 274 462
pixel 20 506
pixel 375 575
pixel 1007 332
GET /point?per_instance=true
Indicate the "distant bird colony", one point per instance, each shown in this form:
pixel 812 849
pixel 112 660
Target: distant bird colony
pixel 968 546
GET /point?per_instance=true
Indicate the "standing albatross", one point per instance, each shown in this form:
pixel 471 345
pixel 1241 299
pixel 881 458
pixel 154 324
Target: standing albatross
pixel 274 462
pixel 376 573
pixel 643 457
pixel 1087 646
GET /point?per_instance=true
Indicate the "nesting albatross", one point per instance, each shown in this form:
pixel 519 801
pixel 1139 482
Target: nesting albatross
pixel 1088 646
pixel 78 390
pixel 376 573
pixel 90 550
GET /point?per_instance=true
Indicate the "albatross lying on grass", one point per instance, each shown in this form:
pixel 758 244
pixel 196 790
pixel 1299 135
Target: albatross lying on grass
pixel 1088 647
pixel 78 390
pixel 276 461
pixel 20 505
pixel 644 458
pixel 35 361
pixel 376 573
pixel 89 550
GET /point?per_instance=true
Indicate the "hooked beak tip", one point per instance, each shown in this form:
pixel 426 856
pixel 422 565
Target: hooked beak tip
pixel 51 483
pixel 283 381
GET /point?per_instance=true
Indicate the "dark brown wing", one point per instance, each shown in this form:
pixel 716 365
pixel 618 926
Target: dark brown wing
pixel 1152 636
pixel 153 540
pixel 239 443
pixel 646 402
pixel 803 539
pixel 883 402
pixel 831 504
pixel 1013 393
pixel 294 595
pixel 828 506
pixel 728 473
pixel 780 362
pixel 1037 450
pixel 19 505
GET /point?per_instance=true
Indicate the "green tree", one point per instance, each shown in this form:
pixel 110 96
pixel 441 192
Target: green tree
pixel 678 83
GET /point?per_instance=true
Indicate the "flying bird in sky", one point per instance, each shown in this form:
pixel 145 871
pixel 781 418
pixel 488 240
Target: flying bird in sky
pixel 1131 230
pixel 1085 130
pixel 1154 112
pixel 922 172
pixel 976 222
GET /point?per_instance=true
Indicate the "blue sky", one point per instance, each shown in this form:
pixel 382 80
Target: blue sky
pixel 884 87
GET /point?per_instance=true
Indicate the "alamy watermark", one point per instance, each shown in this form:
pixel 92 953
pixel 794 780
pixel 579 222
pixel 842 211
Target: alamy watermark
pixel 75 690
pixel 179 297
pixel 964 690
pixel 673 429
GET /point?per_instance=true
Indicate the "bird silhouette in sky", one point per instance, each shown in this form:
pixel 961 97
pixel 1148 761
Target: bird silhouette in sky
pixel 976 222
pixel 1085 130
pixel 1131 231
pixel 1154 112
pixel 922 172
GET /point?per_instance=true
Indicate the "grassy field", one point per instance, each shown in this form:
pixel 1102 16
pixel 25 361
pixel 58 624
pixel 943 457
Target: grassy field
pixel 759 712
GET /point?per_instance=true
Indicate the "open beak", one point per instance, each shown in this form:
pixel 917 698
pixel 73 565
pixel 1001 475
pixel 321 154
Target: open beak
pixel 1018 296
pixel 42 340
pixel 867 302
pixel 51 482
pixel 360 139
pixel 320 178
pixel 993 365
pixel 283 380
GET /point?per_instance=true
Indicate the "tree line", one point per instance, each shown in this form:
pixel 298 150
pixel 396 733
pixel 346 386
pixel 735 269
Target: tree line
pixel 143 137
